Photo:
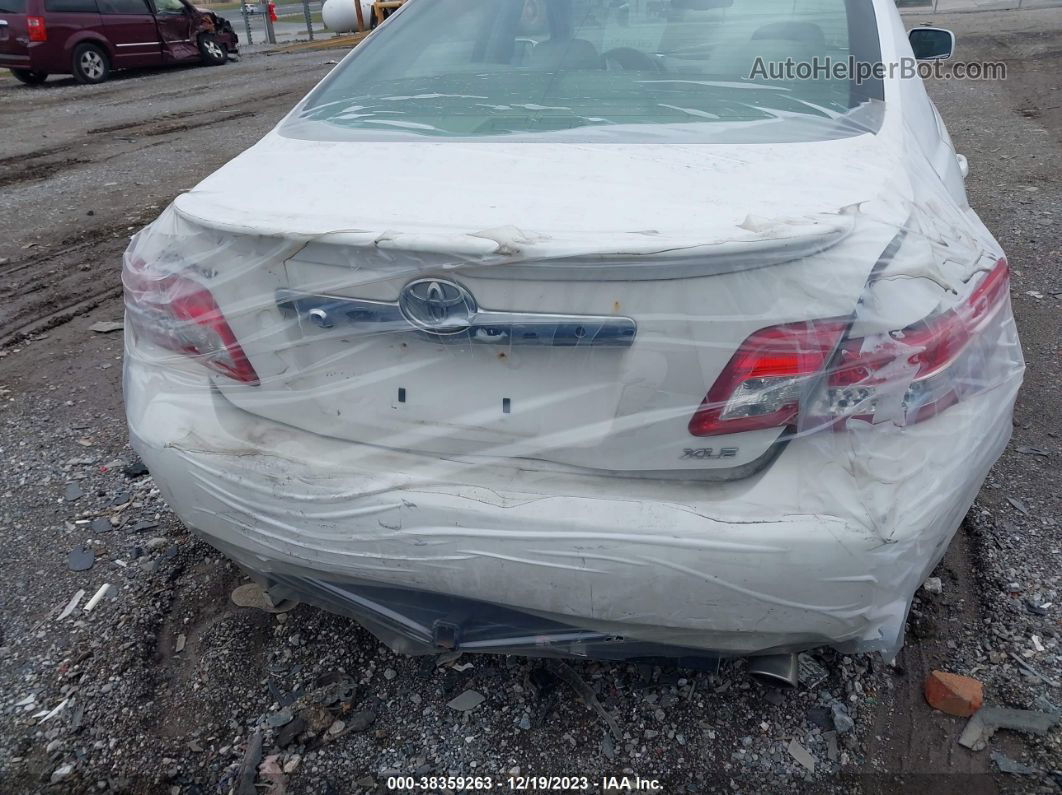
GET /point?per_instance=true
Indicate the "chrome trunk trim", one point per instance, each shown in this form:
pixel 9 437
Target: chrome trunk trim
pixel 477 325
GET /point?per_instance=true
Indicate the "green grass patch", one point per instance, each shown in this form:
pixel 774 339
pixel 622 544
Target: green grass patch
pixel 315 17
pixel 222 6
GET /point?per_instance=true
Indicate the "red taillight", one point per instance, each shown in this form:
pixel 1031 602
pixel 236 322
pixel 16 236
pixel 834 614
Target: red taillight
pixel 36 29
pixel 761 385
pixel 181 315
pixel 905 376
pixel 922 358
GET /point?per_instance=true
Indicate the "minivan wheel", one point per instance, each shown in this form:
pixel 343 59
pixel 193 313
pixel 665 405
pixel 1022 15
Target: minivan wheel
pixel 90 64
pixel 29 77
pixel 211 50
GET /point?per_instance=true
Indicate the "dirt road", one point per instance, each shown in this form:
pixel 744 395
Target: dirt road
pixel 162 687
pixel 82 167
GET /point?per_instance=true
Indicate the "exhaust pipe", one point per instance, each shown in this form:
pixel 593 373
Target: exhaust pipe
pixel 777 670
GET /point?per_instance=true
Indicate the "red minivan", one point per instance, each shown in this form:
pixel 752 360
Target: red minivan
pixel 89 38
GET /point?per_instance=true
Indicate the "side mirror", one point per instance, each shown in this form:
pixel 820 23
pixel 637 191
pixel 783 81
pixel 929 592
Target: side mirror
pixel 932 44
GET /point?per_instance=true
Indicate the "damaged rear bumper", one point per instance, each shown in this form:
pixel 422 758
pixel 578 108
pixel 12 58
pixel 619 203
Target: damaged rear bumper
pixel 412 621
pixel 824 547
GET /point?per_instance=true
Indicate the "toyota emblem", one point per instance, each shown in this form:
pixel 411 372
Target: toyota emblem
pixel 437 306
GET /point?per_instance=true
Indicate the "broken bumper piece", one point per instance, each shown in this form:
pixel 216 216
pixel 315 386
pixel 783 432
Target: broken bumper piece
pixel 421 622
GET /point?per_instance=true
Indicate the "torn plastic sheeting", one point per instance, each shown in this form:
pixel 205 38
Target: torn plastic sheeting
pixel 309 277
pixel 883 519
pixel 261 528
pixel 301 522
pixel 731 397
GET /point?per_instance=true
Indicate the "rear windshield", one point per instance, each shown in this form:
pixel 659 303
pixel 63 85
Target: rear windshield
pixel 12 6
pixel 486 68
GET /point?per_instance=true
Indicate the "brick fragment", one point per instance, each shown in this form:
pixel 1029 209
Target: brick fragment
pixel 953 694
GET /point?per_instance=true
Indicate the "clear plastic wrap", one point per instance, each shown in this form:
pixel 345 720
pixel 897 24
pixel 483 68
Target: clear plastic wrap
pixel 581 392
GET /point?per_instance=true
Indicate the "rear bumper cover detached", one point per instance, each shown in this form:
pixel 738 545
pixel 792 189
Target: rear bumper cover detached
pixel 824 547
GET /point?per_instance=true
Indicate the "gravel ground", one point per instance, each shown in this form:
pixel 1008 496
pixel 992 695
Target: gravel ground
pixel 164 684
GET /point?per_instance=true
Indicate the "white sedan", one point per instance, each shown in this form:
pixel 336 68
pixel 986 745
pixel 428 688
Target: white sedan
pixel 586 329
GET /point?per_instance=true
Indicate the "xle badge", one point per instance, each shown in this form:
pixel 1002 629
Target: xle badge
pixel 709 452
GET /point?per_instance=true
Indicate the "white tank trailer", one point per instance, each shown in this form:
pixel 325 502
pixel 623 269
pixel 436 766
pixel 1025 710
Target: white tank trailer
pixel 339 16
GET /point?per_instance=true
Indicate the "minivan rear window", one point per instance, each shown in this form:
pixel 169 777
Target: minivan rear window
pixel 71 6
pixel 124 7
pixel 12 6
